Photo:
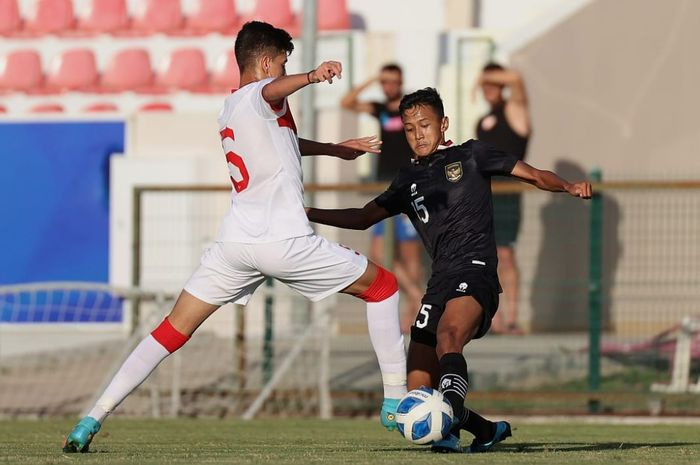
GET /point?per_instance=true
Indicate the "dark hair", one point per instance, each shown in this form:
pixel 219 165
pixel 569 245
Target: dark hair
pixel 256 38
pixel 493 66
pixel 425 97
pixel 393 67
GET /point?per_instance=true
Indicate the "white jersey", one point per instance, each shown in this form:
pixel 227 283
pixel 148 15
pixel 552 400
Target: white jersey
pixel 264 162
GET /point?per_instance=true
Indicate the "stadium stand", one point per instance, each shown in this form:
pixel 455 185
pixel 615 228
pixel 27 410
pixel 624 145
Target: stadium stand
pixel 105 16
pixel 51 17
pixel 10 20
pixel 156 106
pixel 155 16
pixel 73 70
pixel 214 16
pixel 226 75
pixel 101 107
pixel 333 15
pixel 21 71
pixel 278 13
pixel 128 69
pixel 47 108
pixel 185 68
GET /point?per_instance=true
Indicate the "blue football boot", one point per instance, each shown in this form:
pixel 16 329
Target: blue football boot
pixel 388 413
pixel 79 439
pixel 502 432
pixel 447 445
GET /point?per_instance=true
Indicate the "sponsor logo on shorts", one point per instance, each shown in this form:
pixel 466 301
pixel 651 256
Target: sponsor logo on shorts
pixel 462 287
pixel 453 171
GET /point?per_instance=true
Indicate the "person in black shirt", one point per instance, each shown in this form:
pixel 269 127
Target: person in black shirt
pixel 446 193
pixel 507 127
pixel 395 154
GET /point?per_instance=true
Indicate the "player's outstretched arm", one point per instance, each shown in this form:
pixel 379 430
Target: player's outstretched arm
pixel 347 150
pixel 349 218
pixel 284 86
pixel 548 181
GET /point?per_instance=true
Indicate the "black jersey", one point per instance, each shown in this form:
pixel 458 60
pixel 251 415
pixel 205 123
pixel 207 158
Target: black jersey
pixel 447 196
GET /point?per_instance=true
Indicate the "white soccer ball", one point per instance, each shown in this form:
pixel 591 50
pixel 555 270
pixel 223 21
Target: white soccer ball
pixel 424 416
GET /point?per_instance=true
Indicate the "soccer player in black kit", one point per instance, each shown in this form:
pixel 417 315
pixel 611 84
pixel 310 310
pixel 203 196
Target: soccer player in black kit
pixel 446 193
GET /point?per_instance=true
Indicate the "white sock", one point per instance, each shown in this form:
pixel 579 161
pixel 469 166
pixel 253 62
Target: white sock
pixel 387 340
pixel 135 369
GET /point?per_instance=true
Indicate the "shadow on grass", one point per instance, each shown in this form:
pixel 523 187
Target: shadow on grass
pixel 534 447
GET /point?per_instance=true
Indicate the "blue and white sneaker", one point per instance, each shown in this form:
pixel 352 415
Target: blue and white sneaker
pixel 388 413
pixel 447 445
pixel 502 432
pixel 79 439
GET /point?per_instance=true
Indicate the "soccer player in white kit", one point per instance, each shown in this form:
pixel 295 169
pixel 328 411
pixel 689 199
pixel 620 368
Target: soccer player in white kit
pixel 266 232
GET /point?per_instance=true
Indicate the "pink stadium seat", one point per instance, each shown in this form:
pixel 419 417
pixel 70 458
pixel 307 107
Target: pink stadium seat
pixel 106 16
pixel 156 106
pixel 21 70
pixel 10 20
pixel 3 109
pixel 101 107
pixel 51 16
pixel 278 13
pixel 214 16
pixel 74 70
pixel 47 108
pixel 333 15
pixel 185 68
pixel 226 75
pixel 128 69
pixel 158 16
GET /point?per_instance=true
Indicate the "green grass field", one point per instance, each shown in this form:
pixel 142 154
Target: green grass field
pixel 338 442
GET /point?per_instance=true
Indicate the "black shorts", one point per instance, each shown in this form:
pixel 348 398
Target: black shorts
pixel 506 218
pixel 477 281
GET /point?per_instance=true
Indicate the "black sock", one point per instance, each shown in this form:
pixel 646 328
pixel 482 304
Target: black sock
pixel 453 385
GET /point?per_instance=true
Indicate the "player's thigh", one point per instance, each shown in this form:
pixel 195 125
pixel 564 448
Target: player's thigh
pixel 460 322
pixel 314 266
pixel 423 366
pixel 189 312
pixel 225 274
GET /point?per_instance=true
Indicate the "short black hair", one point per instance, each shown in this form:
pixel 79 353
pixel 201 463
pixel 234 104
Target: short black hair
pixel 256 38
pixel 425 97
pixel 493 66
pixel 392 67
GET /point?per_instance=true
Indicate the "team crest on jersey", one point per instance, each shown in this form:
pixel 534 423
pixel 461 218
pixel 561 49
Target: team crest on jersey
pixel 453 171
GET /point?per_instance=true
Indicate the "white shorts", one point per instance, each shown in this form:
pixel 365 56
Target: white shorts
pixel 311 265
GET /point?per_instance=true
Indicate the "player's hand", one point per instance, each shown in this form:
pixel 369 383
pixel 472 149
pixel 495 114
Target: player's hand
pixel 326 72
pixel 581 189
pixel 353 148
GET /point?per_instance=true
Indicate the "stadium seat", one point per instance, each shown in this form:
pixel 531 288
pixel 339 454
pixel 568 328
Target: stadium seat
pixel 51 17
pixel 3 109
pixel 73 70
pixel 128 69
pixel 21 71
pixel 333 15
pixel 226 75
pixel 214 16
pixel 100 107
pixel 158 16
pixel 10 20
pixel 278 13
pixel 105 16
pixel 47 108
pixel 185 68
pixel 156 106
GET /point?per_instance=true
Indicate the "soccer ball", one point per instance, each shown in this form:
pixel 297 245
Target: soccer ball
pixel 424 416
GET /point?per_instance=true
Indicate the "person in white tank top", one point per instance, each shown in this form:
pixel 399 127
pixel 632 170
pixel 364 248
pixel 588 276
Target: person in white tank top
pixel 266 232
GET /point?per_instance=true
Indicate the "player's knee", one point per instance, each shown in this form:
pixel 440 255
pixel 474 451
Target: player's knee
pixel 382 287
pixel 168 336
